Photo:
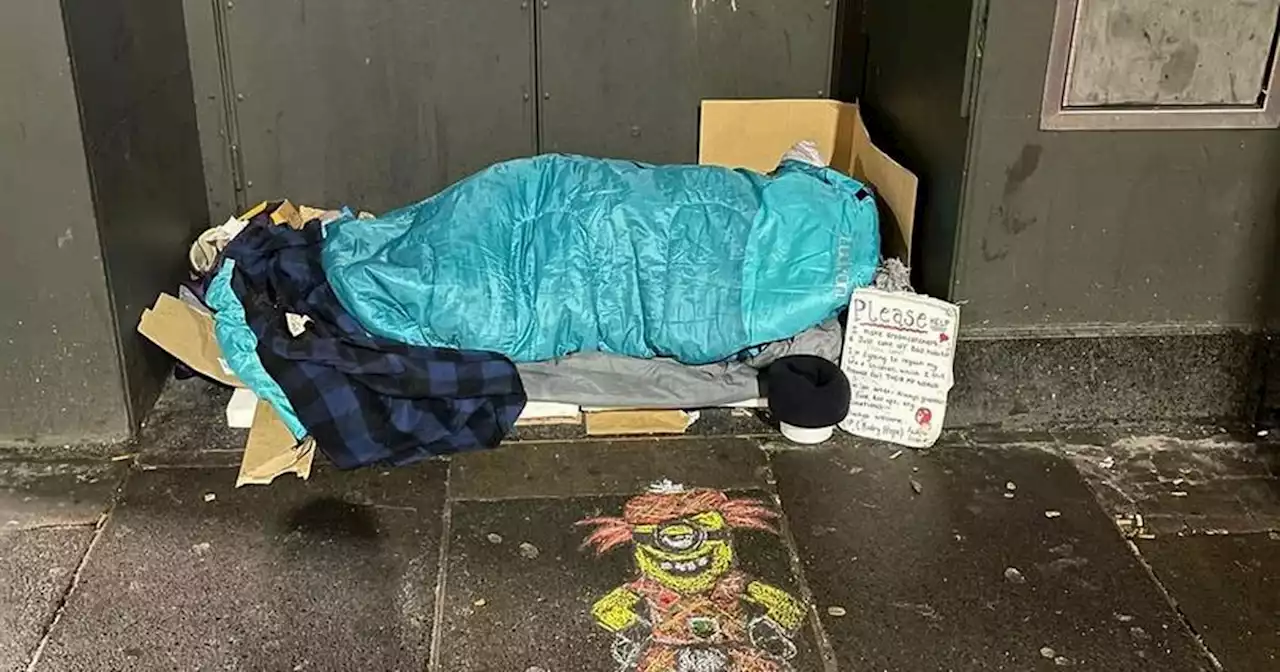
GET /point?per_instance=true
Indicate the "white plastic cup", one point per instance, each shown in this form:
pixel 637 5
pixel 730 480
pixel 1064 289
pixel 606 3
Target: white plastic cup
pixel 806 435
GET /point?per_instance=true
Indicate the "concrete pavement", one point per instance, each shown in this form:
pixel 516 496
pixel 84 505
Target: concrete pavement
pixel 997 553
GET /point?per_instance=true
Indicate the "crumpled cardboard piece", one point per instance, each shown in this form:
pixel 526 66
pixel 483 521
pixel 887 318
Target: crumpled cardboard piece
pixel 283 213
pixel 309 213
pixel 616 423
pixel 271 450
pixel 186 332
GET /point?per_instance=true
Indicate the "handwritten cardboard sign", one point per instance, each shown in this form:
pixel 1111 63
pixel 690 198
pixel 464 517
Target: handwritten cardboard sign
pixel 898 352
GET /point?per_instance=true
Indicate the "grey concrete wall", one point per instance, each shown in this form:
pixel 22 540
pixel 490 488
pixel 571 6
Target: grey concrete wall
pixel 60 369
pixel 101 178
pixel 1086 233
pixel 143 151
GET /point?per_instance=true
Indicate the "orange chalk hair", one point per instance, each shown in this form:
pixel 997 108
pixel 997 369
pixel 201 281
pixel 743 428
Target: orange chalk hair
pixel 656 508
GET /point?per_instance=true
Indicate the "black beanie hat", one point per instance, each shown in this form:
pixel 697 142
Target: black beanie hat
pixel 807 391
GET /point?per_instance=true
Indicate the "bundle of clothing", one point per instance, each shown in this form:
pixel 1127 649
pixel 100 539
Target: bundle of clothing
pixel 554 278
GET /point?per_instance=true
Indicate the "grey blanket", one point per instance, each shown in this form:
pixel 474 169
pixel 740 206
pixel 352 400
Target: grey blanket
pixel 599 379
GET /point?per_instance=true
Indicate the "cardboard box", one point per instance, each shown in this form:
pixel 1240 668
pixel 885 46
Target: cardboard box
pixel 756 133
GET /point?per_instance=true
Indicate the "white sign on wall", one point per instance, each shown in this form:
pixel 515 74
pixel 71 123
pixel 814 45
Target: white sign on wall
pixel 898 354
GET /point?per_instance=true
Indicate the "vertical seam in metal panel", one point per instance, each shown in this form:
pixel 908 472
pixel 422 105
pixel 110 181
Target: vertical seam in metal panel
pixel 864 36
pixel 230 113
pixel 833 12
pixel 113 314
pixel 973 56
pixel 973 84
pixel 535 47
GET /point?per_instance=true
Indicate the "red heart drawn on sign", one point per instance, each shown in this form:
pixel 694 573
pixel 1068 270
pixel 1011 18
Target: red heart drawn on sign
pixel 943 338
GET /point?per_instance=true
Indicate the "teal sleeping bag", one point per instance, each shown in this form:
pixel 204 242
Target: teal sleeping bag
pixel 540 257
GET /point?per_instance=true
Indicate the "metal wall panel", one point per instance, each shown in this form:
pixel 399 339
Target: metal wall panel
pixel 142 147
pixel 205 49
pixel 1088 232
pixel 60 369
pixel 377 103
pixel 622 78
pixel 916 107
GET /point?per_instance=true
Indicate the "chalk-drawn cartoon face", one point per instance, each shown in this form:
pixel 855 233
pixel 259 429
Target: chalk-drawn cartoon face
pixel 688 554
pixel 690 609
pixel 682 539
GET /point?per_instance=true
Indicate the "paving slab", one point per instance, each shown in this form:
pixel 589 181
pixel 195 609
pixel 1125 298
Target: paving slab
pixel 337 573
pixel 35 573
pixel 42 494
pixel 188 426
pixel 1216 485
pixel 1229 589
pixel 972 559
pixel 519 587
pixel 606 467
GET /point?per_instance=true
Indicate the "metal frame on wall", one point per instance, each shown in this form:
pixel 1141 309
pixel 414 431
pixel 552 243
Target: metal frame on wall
pixel 1056 115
